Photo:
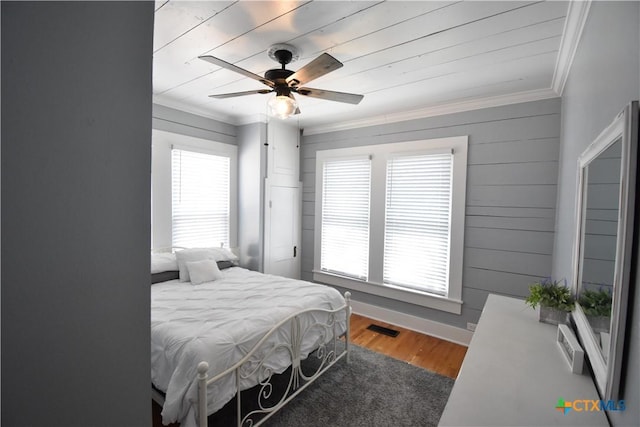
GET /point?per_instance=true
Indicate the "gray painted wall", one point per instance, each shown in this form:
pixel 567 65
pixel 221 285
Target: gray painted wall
pixel 604 77
pixel 176 121
pixel 252 167
pixel 511 197
pixel 76 158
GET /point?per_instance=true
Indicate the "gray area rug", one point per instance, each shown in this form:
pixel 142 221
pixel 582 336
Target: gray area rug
pixel 372 390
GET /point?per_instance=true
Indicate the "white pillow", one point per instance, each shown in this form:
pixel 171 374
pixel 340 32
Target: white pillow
pixel 190 255
pixel 216 254
pixel 163 261
pixel 224 254
pixel 203 271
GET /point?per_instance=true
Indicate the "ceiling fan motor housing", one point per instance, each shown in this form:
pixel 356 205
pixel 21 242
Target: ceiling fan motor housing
pixel 283 104
pixel 284 54
pixel 277 74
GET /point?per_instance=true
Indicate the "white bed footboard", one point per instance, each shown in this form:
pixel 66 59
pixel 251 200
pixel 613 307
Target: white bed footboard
pixel 327 354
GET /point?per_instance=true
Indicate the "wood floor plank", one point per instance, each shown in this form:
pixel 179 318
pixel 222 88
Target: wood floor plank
pixel 421 350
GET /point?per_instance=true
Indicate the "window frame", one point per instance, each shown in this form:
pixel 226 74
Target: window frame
pixel 379 154
pixel 163 143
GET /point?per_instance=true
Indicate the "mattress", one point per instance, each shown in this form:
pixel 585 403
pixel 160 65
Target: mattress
pixel 219 322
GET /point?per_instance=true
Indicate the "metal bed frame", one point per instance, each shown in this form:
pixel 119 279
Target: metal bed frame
pixel 327 353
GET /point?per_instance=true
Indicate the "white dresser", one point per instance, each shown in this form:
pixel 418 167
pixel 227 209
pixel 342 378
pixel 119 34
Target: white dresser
pixel 514 373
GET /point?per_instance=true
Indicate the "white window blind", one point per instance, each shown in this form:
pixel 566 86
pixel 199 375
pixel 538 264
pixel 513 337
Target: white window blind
pixel 345 217
pixel 200 199
pixel 417 222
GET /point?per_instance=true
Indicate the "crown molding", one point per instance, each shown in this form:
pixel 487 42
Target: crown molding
pixel 220 117
pixel 253 118
pixel 577 14
pixel 437 110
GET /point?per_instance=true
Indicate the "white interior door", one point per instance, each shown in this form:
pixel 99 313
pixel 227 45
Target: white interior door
pixel 282 230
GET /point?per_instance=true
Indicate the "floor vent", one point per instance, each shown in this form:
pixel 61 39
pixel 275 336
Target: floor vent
pixel 382 330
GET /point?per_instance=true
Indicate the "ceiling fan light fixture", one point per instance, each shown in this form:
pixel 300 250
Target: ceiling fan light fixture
pixel 283 106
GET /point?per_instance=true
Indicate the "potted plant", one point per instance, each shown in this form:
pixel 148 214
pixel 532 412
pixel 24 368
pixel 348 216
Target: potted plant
pixel 554 298
pixel 597 307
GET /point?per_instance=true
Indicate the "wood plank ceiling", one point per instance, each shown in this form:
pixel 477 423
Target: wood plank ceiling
pixel 402 56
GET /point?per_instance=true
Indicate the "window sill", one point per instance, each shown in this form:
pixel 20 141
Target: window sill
pixel 400 294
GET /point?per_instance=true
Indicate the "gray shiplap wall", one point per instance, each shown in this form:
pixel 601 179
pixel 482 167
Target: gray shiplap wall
pixel 511 197
pixel 176 121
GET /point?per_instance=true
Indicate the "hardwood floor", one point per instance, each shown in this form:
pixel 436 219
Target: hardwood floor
pixel 421 350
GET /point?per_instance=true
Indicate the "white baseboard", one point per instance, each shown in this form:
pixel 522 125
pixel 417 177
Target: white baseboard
pixel 418 324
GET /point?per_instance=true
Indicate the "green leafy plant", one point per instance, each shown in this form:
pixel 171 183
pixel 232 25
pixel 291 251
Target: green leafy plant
pixel 596 303
pixel 550 293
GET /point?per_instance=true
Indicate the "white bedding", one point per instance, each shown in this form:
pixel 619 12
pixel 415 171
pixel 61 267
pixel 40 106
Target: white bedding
pixel 219 322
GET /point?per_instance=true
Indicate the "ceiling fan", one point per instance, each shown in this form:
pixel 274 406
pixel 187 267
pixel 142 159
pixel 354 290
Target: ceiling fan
pixel 285 82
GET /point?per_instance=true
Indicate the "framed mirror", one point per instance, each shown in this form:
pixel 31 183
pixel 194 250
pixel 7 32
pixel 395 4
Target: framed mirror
pixel 603 246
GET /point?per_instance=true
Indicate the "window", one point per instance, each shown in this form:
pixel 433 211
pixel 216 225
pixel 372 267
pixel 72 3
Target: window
pixel 345 217
pixel 166 233
pixel 200 190
pixel 390 220
pixel 417 222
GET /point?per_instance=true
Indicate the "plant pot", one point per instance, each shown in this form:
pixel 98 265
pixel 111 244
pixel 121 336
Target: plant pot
pixel 552 316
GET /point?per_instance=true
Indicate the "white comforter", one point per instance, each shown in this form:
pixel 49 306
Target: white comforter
pixel 219 322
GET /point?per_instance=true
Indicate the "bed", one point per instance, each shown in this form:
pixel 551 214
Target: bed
pixel 213 339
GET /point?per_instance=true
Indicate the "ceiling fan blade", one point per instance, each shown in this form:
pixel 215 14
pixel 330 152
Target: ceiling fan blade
pixel 249 92
pixel 224 64
pixel 320 66
pixel 349 98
